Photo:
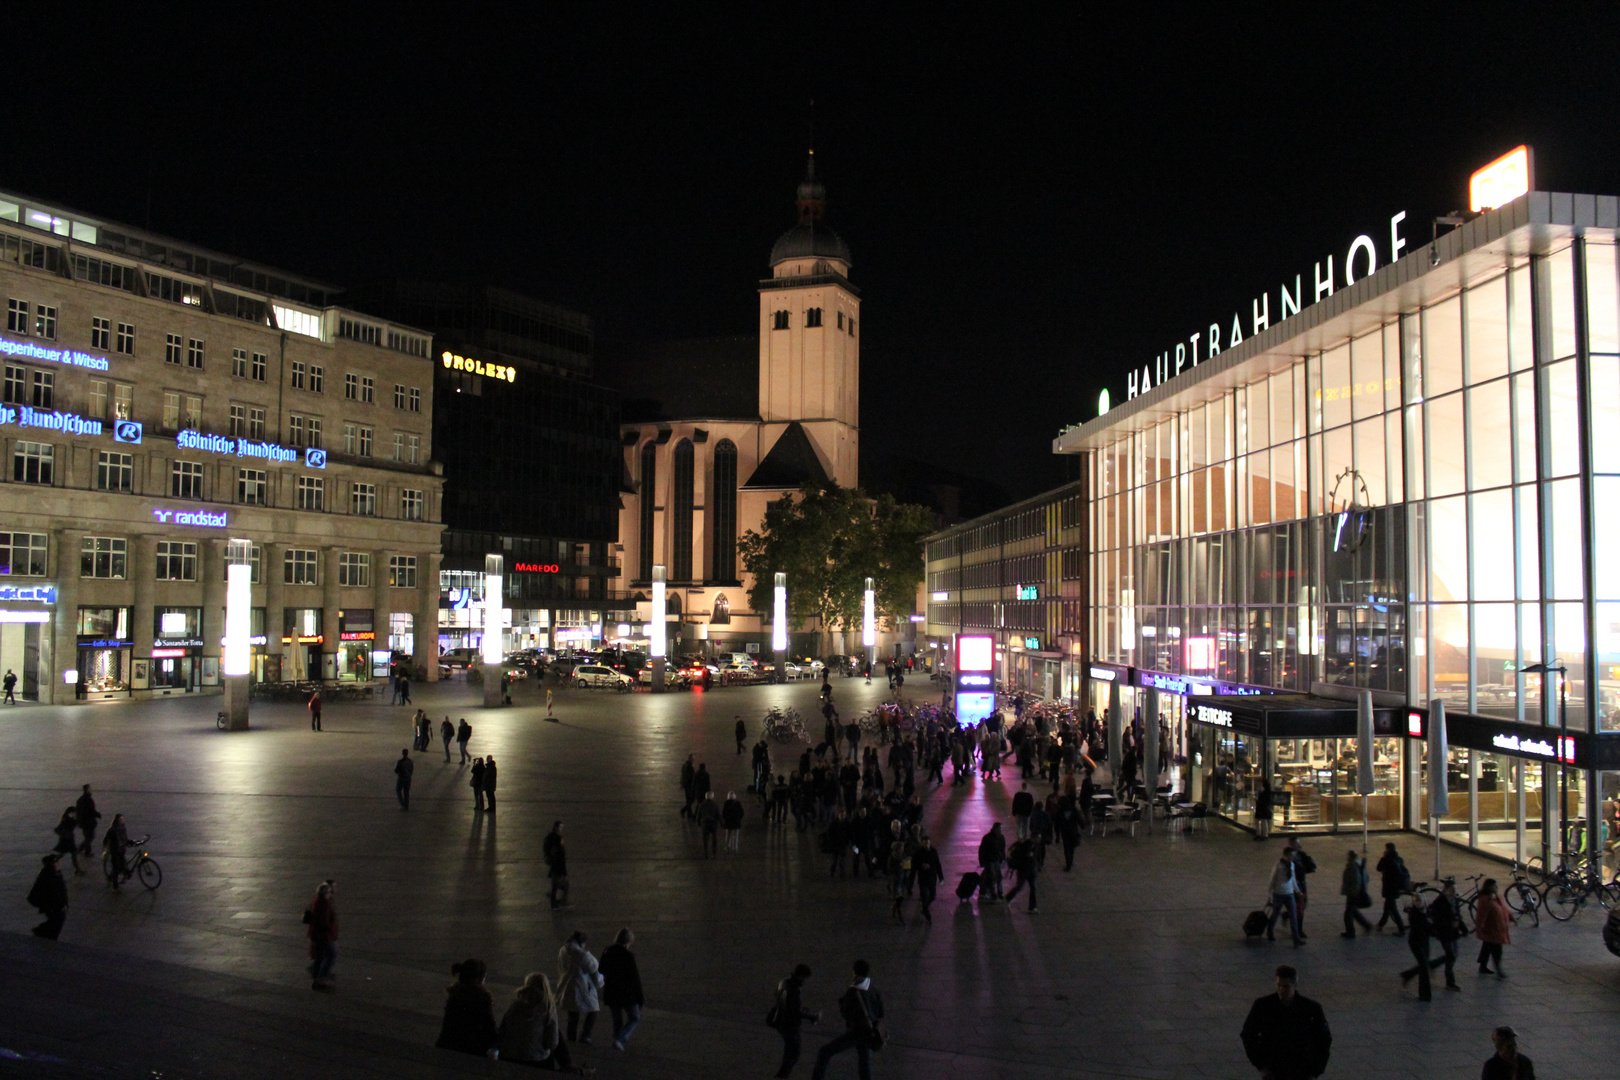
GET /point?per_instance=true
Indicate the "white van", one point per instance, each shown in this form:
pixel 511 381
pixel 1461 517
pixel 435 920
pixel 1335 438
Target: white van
pixel 737 659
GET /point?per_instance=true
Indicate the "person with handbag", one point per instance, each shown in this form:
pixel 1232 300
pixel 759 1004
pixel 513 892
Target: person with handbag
pixel 862 1010
pixel 788 1014
pixel 1353 887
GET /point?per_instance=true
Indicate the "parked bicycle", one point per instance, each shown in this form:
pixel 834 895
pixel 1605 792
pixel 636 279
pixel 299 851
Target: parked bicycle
pixel 785 725
pixel 142 866
pixel 1568 888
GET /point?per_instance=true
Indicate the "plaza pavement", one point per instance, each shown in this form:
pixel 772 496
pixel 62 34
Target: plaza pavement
pixel 1135 966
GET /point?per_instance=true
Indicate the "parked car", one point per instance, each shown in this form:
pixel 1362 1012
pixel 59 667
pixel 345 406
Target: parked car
pixel 599 675
pixel 672 677
pixel 460 658
pixel 790 670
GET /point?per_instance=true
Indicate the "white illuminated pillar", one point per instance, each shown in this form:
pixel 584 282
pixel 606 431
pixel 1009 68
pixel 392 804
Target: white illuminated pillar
pixel 657 630
pixel 493 653
pixel 237 658
pixel 869 623
pixel 779 631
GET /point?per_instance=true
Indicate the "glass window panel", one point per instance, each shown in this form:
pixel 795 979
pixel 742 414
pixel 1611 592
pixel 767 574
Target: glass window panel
pixel 1566 540
pixel 1608 650
pixel 1449 623
pixel 1606 511
pixel 1563 433
pixel 1313 368
pixel 1336 458
pixel 1448 549
pixel 1495 642
pixel 1220 429
pixel 1220 492
pixel 1392 365
pixel 1334 392
pixel 1310 481
pixel 1569 637
pixel 1605 399
pixel 1529 548
pixel 1367 375
pixel 1492 541
pixel 1442 348
pixel 1559 268
pixel 1487 331
pixel 1490 436
pixel 1414 452
pixel 1393 456
pixel 1602 333
pixel 1285 500
pixel 1369 438
pixel 1260 487
pixel 1197 490
pixel 1412 358
pixel 1282 407
pixel 1257 422
pixel 1196 439
pixel 1524 428
pixel 1520 355
pixel 1445 437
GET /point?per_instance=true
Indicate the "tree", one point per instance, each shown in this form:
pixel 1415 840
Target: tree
pixel 829 540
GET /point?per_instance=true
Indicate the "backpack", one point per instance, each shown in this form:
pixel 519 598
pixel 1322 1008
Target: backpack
pixel 773 1016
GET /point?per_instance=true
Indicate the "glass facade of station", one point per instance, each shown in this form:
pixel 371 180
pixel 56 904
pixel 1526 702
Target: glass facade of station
pixel 1410 497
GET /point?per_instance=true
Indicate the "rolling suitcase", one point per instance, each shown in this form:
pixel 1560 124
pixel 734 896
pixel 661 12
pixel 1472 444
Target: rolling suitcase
pixel 1255 924
pixel 968 886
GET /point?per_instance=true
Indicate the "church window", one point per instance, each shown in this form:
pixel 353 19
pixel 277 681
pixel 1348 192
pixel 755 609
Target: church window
pixel 852 326
pixel 680 518
pixel 812 316
pixel 781 321
pixel 722 500
pixel 840 320
pixel 649 500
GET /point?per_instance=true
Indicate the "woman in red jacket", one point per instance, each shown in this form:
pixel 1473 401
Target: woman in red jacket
pixel 321 916
pixel 1491 927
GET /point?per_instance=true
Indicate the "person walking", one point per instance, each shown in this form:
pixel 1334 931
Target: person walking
pixel 321 919
pixel 621 987
pixel 708 816
pixel 402 779
pixel 1022 861
pixel 688 785
pixel 529 1032
pixel 477 784
pixel 489 783
pixel 1286 1034
pixel 49 896
pixel 862 1010
pixel 114 845
pixel 1491 921
pixel 1417 939
pixel 1281 889
pixel 742 734
pixel 11 687
pixel 1069 820
pixel 1445 925
pixel 314 707
pixel 424 730
pixel 992 857
pixel 925 864
pixel 731 818
pixel 1353 887
pixel 66 841
pixel 555 854
pixel 1304 866
pixel 1507 1063
pixel 1394 880
pixel 578 980
pixel 404 688
pixel 1264 805
pixel 469 1012
pixel 447 732
pixel 1023 805
pixel 463 736
pixel 86 814
pixel 790 1015
pixel 835 841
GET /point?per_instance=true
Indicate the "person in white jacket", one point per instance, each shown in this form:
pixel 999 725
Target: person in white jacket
pixel 1282 898
pixel 578 981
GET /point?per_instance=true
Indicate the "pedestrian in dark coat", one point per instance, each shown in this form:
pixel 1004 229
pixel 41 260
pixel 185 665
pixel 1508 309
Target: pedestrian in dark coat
pixel 1068 824
pixel 1353 887
pixel 86 814
pixel 742 734
pixel 1445 924
pixel 478 784
pixel 708 816
pixel 321 918
pixel 925 864
pixel 862 1010
pixel 992 857
pixel 49 895
pixel 731 818
pixel 688 785
pixel 402 779
pixel 1507 1063
pixel 621 987
pixel 701 784
pixel 315 711
pixel 1394 880
pixel 447 732
pixel 1417 939
pixel 469 1012
pixel 463 736
pixel 1022 860
pixel 791 1015
pixel 489 783
pixel 1286 1035
pixel 555 854
pixel 66 841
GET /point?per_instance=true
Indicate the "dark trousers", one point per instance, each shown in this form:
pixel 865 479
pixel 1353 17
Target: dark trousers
pixel 1392 910
pixel 1023 879
pixel 559 890
pixel 489 797
pixel 52 926
pixel 314 719
pixel 791 1045
pixel 89 835
pixel 1069 844
pixel 863 1054
pixel 402 792
pixel 1352 916
pixel 478 798
pixel 465 757
pixel 576 1031
pixel 447 749
pixel 1448 958
pixel 1281 902
pixel 1489 951
pixel 837 867
pixel 1420 953
pixel 711 840
pixel 926 890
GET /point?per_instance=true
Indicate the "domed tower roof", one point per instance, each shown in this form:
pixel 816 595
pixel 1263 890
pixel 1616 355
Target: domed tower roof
pixel 810 238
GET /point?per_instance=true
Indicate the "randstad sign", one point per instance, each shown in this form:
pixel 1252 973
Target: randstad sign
pixel 1213 340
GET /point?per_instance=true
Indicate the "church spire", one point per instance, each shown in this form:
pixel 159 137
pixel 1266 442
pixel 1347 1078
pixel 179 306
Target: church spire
pixel 812 198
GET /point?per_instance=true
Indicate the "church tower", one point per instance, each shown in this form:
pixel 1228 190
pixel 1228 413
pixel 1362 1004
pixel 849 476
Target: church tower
pixel 809 340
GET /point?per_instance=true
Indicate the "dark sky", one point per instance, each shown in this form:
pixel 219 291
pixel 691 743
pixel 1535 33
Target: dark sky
pixel 1037 199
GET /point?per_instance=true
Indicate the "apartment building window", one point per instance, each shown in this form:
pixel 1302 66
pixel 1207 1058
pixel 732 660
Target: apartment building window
pixel 349 438
pixel 365 442
pixel 256 427
pixel 194 353
pixel 238 421
pixel 351 387
pixel 399 395
pixel 191 415
pixel 103 557
pixel 416 399
pixel 123 401
pixel 33 462
pixel 311 493
pixel 100 333
pixel 295 429
pixel 173 348
pixel 852 326
pixel 115 471
pixel 97 400
pixel 44 321
pixel 16 385
pixel 299 375
pixel 22 554
pixel 299 566
pixel 252 485
pixel 186 480
pixel 399 446
pixel 410 504
pixel 239 363
pixel 171 410
pixel 317 379
pixel 125 342
pixel 402 571
pixel 354 569
pixel 313 425
pixel 780 320
pixel 181 411
pixel 260 364
pixel 368 390
pixel 812 317
pixel 176 560
pixel 363 500
pixel 44 390
pixel 413 448
pixel 840 320
pixel 17 316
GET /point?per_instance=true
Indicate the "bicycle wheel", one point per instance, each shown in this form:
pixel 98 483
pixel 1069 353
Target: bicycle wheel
pixel 150 873
pixel 1607 895
pixel 106 864
pixel 1563 901
pixel 1535 870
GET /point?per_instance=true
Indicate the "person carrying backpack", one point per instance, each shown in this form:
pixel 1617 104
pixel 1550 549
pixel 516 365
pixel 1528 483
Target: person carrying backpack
pixel 1395 881
pixel 862 1010
pixel 1353 887
pixel 788 1014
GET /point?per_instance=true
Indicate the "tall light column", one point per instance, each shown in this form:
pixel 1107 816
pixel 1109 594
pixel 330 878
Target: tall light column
pixel 779 629
pixel 869 625
pixel 493 653
pixel 237 662
pixel 657 630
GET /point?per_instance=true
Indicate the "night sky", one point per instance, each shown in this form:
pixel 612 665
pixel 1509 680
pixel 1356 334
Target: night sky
pixel 1037 199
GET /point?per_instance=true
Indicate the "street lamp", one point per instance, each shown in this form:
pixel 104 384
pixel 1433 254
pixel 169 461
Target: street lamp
pixel 869 623
pixel 779 632
pixel 1545 668
pixel 237 658
pixel 658 644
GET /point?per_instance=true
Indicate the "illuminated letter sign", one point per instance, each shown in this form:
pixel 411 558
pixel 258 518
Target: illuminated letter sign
pixel 1209 714
pixel 127 431
pixel 536 568
pixel 478 367
pixel 1503 180
pixel 34 594
pixel 248 448
pixel 208 519
pixel 1105 674
pixel 30 351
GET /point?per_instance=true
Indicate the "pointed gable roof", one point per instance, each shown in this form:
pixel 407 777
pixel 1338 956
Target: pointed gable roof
pixel 791 462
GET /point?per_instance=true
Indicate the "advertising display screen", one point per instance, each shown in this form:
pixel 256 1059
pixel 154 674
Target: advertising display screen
pixel 975 652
